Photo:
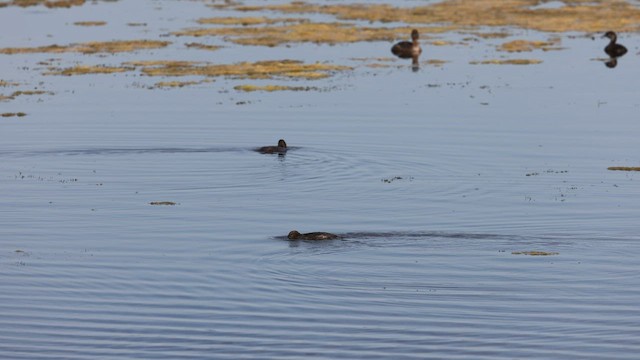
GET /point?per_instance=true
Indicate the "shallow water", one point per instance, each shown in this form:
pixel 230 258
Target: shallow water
pixel 433 179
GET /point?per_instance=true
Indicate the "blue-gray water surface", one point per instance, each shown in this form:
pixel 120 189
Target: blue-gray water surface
pixel 440 181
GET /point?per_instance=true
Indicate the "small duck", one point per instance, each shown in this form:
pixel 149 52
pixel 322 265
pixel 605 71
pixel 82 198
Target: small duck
pixel 281 148
pixel 294 235
pixel 408 49
pixel 614 50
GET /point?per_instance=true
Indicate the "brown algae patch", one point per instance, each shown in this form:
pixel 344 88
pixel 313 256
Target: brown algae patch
pixel 87 69
pixel 526 45
pixel 179 84
pixel 18 114
pixel 111 47
pixel 535 253
pixel 90 23
pixel 507 62
pixel 202 46
pixel 246 21
pixel 319 33
pixel 574 15
pixel 624 168
pixel 47 3
pixel 271 88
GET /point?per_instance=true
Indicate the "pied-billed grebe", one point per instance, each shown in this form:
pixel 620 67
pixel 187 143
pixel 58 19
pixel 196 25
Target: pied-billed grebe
pixel 613 49
pixel 280 149
pixel 408 49
pixel 294 235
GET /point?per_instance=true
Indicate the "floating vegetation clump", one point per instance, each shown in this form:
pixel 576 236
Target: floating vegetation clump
pixel 246 21
pixel 91 47
pixel 90 23
pixel 23 92
pixel 507 62
pixel 47 3
pixel 574 15
pixel 179 84
pixel 624 168
pixel 4 83
pixel 202 46
pixel 526 45
pixel 86 70
pixel 535 253
pixel 270 88
pixel 162 203
pixel 435 62
pixel 319 33
pixel 244 70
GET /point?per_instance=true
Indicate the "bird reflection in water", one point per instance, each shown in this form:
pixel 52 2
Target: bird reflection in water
pixel 409 50
pixel 614 50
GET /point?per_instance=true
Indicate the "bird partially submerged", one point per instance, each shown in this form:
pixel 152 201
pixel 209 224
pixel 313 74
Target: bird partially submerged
pixel 295 235
pixel 281 148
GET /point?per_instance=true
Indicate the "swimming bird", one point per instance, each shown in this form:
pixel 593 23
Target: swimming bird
pixel 281 148
pixel 408 49
pixel 294 235
pixel 614 50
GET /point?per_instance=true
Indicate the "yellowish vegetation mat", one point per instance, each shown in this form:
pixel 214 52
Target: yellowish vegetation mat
pixel 282 69
pixel 270 88
pixel 86 69
pixel 91 47
pixel 575 15
pixel 244 70
pixel 526 45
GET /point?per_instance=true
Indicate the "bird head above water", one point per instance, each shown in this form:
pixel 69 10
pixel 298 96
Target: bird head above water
pixel 282 143
pixel 415 35
pixel 611 35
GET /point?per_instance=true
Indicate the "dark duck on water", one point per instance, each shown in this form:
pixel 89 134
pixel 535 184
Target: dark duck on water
pixel 408 49
pixel 294 235
pixel 281 148
pixel 614 50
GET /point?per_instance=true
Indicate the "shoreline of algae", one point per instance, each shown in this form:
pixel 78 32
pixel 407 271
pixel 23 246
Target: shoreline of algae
pixel 576 15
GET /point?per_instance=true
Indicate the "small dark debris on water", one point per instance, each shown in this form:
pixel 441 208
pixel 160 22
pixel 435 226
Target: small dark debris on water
pixel 392 179
pixel 548 171
pixel 160 203
pixel 535 253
